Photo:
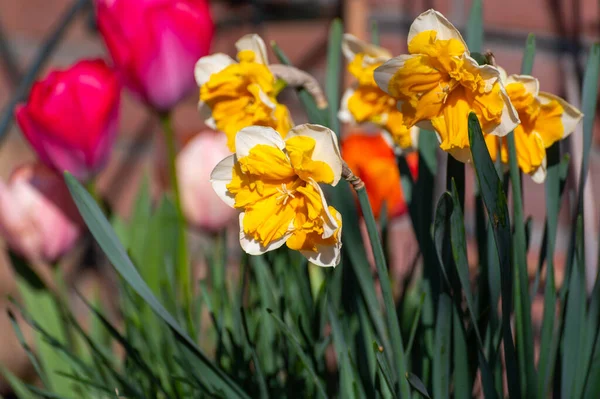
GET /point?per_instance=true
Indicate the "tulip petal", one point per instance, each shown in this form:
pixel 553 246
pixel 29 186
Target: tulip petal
pixel 344 114
pixel 569 118
pixel 221 176
pixel 433 20
pixel 210 64
pixel 352 46
pixel 250 136
pixel 384 73
pixel 326 146
pixel 253 247
pixel 531 84
pixel 256 44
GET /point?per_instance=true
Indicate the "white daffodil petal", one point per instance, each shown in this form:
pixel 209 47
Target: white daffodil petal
pixel 326 146
pixel 255 43
pixel 384 73
pixel 221 176
pixel 532 85
pixel 503 74
pixel 540 173
pixel 265 99
pixel 325 256
pixel 330 224
pixel 210 64
pixel 206 115
pixel 509 119
pixel 250 136
pixel 253 247
pixel 352 46
pixel 344 114
pixel 570 116
pixel 414 138
pixel 433 20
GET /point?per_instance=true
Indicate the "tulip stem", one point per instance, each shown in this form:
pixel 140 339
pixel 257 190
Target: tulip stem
pixel 384 280
pixel 183 270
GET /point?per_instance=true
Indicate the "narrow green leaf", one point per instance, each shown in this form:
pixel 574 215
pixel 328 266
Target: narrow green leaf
pixel 523 328
pixel 341 349
pixel 19 387
pixel 443 342
pixel 418 385
pixel 574 325
pixel 333 73
pixel 301 354
pixel 399 363
pixel 415 324
pixel 528 55
pixel 384 369
pixel 106 238
pixel 495 202
pixel 475 32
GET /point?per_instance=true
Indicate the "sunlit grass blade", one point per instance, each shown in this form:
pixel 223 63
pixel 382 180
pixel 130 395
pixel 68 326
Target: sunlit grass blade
pixel 106 238
pixel 343 358
pixel 495 201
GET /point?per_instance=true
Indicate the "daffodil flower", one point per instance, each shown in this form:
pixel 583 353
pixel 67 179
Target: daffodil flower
pixel 275 184
pixel 545 119
pixel 234 95
pixel 438 84
pixel 364 101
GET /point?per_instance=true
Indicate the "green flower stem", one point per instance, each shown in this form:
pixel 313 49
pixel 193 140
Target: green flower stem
pixel 183 270
pixel 384 281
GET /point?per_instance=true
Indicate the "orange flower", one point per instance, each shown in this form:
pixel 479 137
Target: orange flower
pixel 372 159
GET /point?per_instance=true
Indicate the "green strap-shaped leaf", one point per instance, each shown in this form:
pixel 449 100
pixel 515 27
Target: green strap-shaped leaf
pixel 333 73
pixel 523 327
pixel 495 202
pixel 106 238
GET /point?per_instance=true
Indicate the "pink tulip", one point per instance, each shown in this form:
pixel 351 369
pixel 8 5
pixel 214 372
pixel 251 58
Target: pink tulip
pixel 201 206
pixel 38 218
pixel 71 118
pixel 155 45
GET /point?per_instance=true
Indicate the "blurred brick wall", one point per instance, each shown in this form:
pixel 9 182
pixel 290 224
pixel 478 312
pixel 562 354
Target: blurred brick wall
pixel 558 24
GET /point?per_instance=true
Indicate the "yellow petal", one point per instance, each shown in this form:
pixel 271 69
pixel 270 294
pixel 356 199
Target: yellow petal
pixel 452 126
pixel 267 163
pixel 554 112
pixel 300 151
pixel 326 148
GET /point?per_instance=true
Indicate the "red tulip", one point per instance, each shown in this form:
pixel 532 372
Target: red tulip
pixel 71 118
pixel 38 218
pixel 155 45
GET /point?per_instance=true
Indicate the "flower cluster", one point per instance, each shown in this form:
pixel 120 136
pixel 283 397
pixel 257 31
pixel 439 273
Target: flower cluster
pixel 274 175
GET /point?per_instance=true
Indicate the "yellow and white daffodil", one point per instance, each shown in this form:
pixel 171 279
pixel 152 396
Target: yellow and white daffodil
pixel 275 184
pixel 438 84
pixel 545 119
pixel 234 95
pixel 364 101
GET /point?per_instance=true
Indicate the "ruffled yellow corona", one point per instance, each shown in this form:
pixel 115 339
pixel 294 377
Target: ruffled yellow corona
pixel 545 119
pixel 275 184
pixel 234 95
pixel 364 101
pixel 438 84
